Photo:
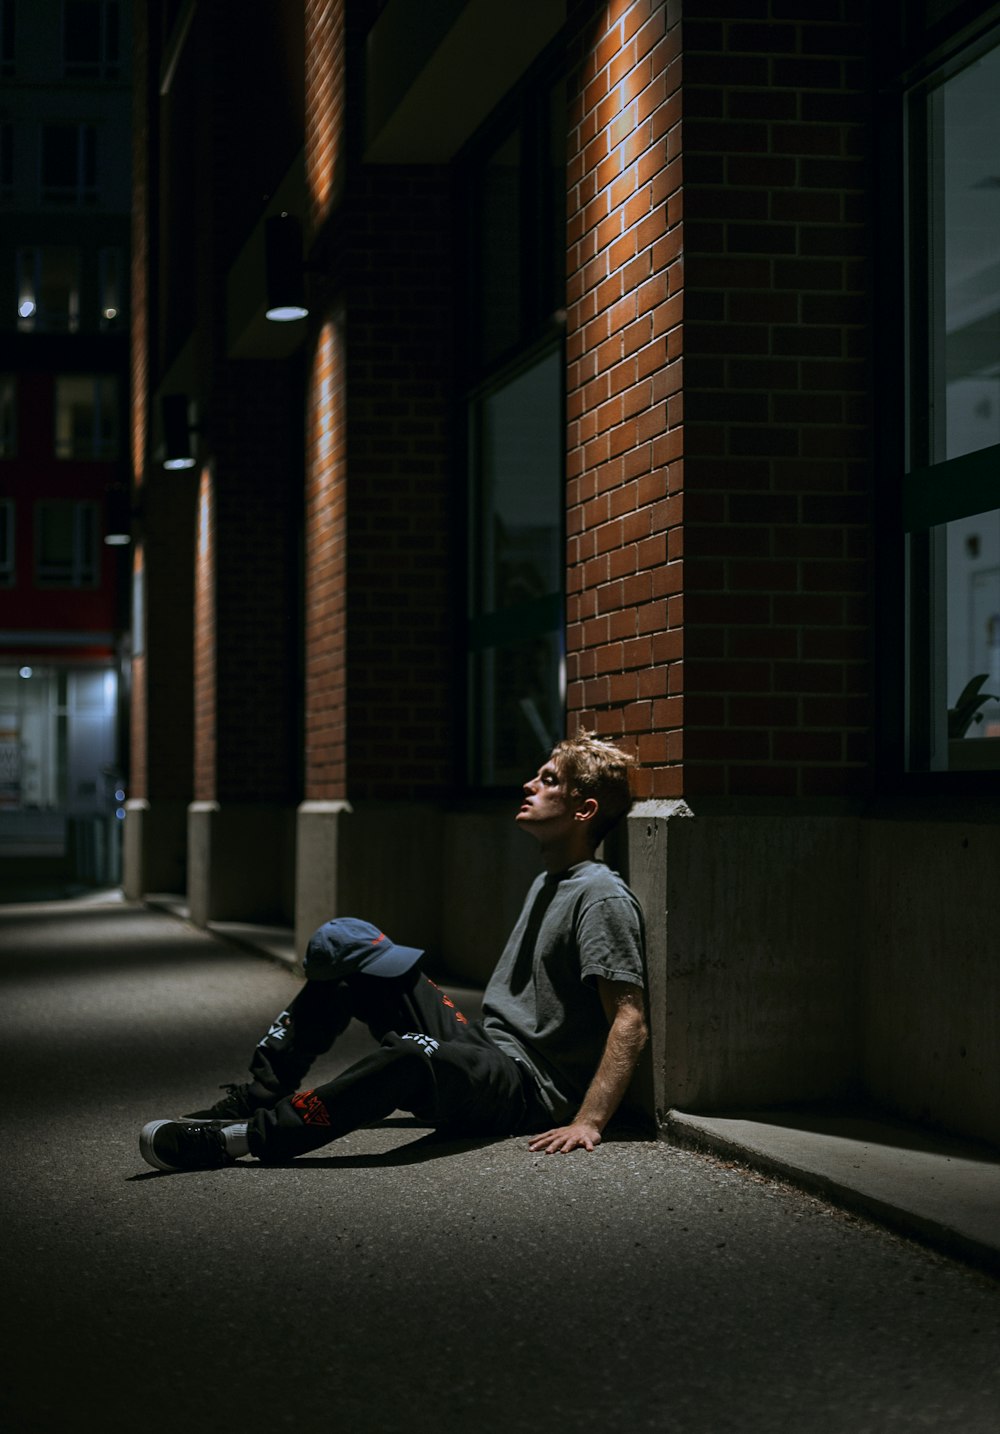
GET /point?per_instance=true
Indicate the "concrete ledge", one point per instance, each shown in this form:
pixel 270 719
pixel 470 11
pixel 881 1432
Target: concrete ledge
pixel 278 942
pixel 943 1192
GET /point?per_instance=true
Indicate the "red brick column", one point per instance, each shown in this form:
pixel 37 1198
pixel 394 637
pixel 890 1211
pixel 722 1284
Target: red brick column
pixel 205 644
pixel 325 772
pixel 625 450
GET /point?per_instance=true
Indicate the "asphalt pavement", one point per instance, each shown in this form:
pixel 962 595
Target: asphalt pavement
pixel 396 1282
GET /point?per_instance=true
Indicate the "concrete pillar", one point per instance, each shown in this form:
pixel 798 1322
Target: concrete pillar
pixel 754 942
pixel 154 855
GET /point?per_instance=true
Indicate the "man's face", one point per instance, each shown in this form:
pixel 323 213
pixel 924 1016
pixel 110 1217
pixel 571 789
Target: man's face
pixel 548 809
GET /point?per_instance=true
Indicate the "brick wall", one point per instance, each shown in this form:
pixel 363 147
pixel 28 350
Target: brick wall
pixel 624 460
pixel 257 415
pixel 205 630
pixel 163 693
pixel 718 553
pixel 777 420
pixel 325 108
pixel 380 540
pixel 403 606
pixel 325 559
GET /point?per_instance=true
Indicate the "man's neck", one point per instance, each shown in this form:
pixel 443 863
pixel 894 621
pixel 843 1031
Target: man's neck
pixel 561 855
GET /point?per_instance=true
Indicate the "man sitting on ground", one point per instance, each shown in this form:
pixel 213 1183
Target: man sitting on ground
pixel 563 1014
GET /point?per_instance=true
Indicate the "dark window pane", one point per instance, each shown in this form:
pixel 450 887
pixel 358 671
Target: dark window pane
pixel 59 156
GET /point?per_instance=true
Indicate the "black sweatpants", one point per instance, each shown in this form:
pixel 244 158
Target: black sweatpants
pixel 430 1061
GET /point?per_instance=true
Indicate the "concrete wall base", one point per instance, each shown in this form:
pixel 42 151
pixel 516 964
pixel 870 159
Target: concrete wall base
pixel 794 957
pixel 753 941
pixel 240 862
pixel 154 847
pixel 451 882
pixel 932 983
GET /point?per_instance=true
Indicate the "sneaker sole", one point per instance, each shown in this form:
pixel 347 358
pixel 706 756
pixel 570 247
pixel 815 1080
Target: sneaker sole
pixel 146 1146
pixel 215 1122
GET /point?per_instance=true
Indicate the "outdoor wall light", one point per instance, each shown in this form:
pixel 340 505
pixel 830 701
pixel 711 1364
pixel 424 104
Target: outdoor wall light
pixel 283 261
pixel 176 431
pixel 118 516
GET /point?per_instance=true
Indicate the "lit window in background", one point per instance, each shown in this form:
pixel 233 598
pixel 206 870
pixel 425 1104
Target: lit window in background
pixel 86 416
pixel 48 290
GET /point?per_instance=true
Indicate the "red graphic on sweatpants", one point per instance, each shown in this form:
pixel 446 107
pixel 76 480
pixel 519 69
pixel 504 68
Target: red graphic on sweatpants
pixel 449 1002
pixel 311 1109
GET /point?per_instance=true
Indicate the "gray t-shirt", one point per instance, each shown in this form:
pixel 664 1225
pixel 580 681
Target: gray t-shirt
pixel 542 1005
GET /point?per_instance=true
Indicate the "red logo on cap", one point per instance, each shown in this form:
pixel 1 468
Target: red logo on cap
pixel 378 938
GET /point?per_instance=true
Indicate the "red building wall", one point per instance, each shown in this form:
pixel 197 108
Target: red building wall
pixel 34 475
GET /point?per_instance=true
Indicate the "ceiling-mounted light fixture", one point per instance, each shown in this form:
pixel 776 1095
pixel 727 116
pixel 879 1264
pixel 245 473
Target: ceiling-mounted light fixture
pixel 283 260
pixel 176 431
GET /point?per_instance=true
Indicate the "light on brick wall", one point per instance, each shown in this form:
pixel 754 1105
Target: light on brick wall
pixel 285 282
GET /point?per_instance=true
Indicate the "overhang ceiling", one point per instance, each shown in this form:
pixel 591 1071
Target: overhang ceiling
pixel 436 69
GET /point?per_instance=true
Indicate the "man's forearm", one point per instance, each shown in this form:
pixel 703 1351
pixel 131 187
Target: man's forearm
pixel 626 1039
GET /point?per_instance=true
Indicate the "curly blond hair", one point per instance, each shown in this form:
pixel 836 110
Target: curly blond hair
pixel 591 767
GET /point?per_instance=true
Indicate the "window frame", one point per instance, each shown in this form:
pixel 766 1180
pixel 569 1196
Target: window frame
pixel 933 493
pixel 106 417
pixel 84 189
pixel 84 567
pixel 540 330
pixel 107 65
pixel 33 282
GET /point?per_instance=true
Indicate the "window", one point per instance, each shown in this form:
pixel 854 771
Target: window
pixel 952 488
pixel 517 250
pixel 66 544
pixel 516 611
pixel 6 542
pixel 69 164
pixel 86 416
pixel 7 36
pixel 48 290
pixel 8 416
pixel 91 39
pixel 518 242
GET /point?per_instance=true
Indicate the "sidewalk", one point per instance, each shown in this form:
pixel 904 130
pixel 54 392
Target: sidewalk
pixel 397 1273
pixel 938 1190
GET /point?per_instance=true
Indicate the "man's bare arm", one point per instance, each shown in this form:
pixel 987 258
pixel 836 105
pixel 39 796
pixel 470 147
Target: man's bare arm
pixel 627 1034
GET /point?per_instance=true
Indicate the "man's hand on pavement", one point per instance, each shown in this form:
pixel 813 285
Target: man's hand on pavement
pixel 566 1138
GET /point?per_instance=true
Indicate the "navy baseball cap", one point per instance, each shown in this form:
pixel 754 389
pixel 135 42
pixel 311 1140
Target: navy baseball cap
pixel 347 945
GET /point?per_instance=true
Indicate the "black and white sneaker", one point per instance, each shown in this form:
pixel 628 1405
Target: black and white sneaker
pixel 186 1145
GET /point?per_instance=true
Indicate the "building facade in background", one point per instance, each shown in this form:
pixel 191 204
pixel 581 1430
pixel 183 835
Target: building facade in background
pixel 65 197
pixel 635 367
